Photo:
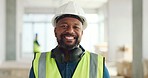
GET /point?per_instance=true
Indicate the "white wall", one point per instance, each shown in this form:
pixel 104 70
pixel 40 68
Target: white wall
pixel 19 25
pixel 2 30
pixel 145 29
pixel 120 25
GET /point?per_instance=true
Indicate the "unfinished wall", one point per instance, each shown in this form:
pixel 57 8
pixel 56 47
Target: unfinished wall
pixel 145 29
pixel 2 30
pixel 120 26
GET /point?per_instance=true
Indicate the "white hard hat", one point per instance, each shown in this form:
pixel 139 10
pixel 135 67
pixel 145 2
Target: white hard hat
pixel 70 8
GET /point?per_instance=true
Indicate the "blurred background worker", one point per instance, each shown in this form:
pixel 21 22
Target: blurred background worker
pixel 69 59
pixel 36 45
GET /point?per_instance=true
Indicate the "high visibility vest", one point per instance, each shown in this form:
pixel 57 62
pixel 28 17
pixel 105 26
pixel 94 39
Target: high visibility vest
pixel 36 46
pixel 90 66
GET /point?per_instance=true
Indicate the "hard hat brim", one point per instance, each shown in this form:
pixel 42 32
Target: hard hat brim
pixel 57 16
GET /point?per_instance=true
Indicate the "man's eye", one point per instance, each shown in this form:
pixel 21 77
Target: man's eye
pixel 63 26
pixel 76 27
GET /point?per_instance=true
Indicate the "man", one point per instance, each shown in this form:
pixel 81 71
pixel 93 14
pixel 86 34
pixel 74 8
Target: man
pixel 36 45
pixel 68 59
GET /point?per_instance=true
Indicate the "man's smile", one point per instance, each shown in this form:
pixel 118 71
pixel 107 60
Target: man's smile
pixel 69 37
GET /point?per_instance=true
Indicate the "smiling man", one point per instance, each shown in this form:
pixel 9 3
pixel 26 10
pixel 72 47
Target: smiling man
pixel 68 32
pixel 69 59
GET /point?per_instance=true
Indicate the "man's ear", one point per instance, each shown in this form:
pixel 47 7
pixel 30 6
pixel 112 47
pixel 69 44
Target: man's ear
pixel 55 32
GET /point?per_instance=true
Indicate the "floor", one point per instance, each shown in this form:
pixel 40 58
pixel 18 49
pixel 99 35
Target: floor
pixel 14 70
pixel 21 70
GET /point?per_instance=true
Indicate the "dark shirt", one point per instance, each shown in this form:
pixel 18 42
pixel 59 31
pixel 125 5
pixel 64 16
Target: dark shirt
pixel 67 70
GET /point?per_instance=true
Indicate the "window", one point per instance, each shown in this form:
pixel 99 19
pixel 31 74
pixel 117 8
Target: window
pixel 91 33
pixel 40 24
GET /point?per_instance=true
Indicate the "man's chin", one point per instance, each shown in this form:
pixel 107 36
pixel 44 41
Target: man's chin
pixel 69 47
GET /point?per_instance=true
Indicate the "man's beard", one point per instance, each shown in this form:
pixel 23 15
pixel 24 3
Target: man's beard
pixel 65 46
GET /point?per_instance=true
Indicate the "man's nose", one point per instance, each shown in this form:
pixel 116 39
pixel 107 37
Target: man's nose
pixel 70 29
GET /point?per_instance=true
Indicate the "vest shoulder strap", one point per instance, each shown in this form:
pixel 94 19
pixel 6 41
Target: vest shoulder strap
pixel 96 66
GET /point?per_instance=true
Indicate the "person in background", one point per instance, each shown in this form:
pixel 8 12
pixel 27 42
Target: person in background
pixel 69 59
pixel 36 45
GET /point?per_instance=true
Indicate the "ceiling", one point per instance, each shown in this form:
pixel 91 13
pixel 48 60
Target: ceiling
pixel 90 4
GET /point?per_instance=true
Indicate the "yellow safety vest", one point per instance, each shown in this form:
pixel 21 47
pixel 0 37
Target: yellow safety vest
pixel 90 66
pixel 36 47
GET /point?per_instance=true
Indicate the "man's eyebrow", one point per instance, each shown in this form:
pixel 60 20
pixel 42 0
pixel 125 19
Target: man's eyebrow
pixel 64 22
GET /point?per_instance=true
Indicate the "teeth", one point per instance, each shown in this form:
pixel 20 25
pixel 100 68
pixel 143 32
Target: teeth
pixel 69 38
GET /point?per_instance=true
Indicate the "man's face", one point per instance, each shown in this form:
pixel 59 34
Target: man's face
pixel 68 32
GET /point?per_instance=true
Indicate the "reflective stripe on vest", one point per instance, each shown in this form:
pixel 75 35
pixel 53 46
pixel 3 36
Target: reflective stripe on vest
pixel 90 66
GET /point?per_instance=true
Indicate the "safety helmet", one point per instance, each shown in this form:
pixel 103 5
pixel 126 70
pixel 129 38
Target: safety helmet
pixel 70 8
